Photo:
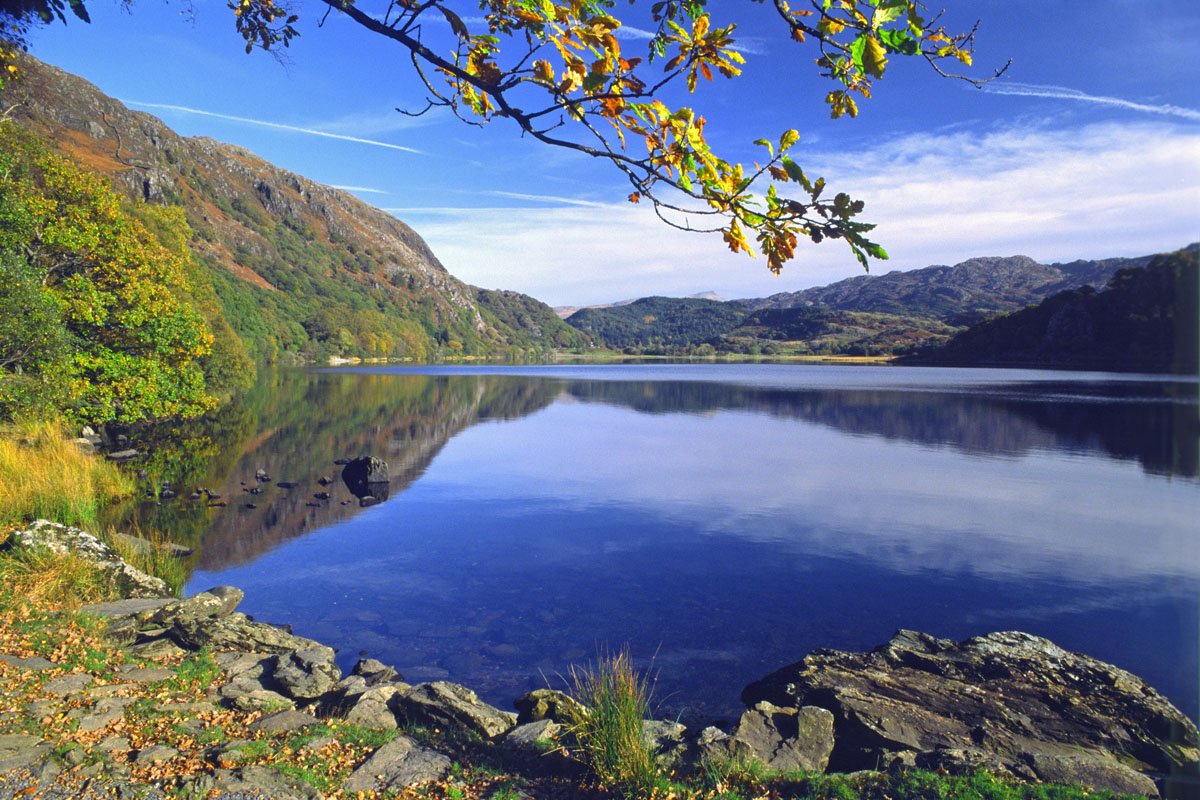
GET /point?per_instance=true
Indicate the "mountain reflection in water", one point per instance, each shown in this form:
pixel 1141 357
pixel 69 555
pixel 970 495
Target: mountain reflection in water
pixel 724 520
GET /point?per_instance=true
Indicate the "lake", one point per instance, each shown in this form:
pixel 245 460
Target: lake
pixel 719 520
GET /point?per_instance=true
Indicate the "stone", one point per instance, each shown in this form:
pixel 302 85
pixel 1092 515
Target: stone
pixel 376 672
pixel 121 578
pixel 20 751
pixel 787 738
pixel 217 602
pixel 398 764
pixel 155 754
pixel 284 721
pixel 1093 773
pixel 667 740
pixel 452 705
pixel 69 684
pixel 548 704
pixel 374 708
pixel 257 781
pixel 260 700
pixel 33 663
pixel 366 476
pixel 122 455
pixel 534 736
pixel 1004 699
pixel 307 674
pixel 162 647
pixel 137 674
pixel 236 632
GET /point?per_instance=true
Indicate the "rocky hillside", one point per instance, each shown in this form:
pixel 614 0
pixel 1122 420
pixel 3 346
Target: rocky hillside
pixel 299 267
pixel 959 295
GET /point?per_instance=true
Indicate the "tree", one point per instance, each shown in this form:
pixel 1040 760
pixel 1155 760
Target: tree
pixel 556 69
pixel 111 331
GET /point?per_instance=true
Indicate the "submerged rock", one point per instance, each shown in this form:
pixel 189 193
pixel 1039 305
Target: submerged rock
pixel 1005 700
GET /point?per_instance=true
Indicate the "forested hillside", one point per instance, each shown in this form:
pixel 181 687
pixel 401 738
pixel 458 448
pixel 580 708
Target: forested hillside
pixel 1146 319
pixel 146 274
pixel 958 295
pixel 301 270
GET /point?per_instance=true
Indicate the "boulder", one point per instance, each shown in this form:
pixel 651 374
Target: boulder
pixel 306 674
pixel 366 476
pixel 451 705
pixel 548 704
pixel 1010 700
pixel 236 632
pixel 19 750
pixel 121 577
pixel 398 764
pixel 787 738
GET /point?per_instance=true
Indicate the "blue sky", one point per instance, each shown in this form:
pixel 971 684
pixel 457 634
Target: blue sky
pixel 1089 147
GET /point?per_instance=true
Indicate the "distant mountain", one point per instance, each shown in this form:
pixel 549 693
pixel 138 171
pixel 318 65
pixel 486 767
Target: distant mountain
pixel 531 322
pixel 663 321
pixel 1145 319
pixel 967 292
pixel 300 269
pixel 566 311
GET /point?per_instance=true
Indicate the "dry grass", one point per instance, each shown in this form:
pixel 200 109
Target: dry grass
pixel 45 475
pixel 41 578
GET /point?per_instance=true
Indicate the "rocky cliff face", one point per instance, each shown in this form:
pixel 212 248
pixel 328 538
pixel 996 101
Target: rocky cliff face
pixel 258 222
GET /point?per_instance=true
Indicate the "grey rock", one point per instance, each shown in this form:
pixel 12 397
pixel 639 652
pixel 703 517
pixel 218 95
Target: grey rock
pixel 1094 773
pixel 218 602
pixel 548 704
pixel 307 674
pixel 258 781
pixel 668 740
pixel 376 672
pixel 113 744
pixel 236 632
pixel 137 607
pixel 69 684
pixel 284 721
pixel 162 647
pixel 452 705
pixel 19 751
pixel 122 455
pixel 33 663
pixel 138 674
pixel 398 764
pixel 788 738
pixel 120 577
pixel 261 700
pixel 534 736
pixel 1005 695
pixel 374 708
pixel 155 754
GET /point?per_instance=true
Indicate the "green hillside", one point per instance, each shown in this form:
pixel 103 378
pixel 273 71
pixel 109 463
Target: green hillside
pixel 1146 319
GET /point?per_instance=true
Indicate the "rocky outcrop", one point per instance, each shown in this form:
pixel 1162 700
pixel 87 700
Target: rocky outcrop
pixel 366 476
pixel 448 704
pixel 121 578
pixel 1007 701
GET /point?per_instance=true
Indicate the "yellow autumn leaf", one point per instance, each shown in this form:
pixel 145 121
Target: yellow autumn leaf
pixel 874 57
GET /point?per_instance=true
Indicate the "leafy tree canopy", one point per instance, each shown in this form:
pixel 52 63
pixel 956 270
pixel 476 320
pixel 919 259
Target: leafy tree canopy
pixel 557 70
pixel 101 322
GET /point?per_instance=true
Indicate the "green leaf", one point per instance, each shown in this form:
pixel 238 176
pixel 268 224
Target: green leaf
pixel 795 173
pixel 685 182
pixel 899 42
pixel 766 144
pixel 888 11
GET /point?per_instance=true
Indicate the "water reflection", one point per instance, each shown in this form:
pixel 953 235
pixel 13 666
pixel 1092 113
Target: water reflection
pixel 727 522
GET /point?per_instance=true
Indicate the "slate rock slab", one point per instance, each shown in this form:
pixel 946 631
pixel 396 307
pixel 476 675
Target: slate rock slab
pixel 449 704
pixel 284 721
pixel 396 765
pixel 787 738
pixel 1010 697
pixel 19 750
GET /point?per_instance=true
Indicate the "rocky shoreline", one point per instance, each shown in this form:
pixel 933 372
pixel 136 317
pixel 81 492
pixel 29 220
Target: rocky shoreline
pixel 1009 703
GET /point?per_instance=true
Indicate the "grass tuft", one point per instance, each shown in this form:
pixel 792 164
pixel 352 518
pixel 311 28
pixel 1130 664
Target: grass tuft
pixel 41 578
pixel 47 476
pixel 609 737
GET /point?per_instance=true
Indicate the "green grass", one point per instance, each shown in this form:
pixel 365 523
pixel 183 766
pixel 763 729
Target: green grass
pixel 609 738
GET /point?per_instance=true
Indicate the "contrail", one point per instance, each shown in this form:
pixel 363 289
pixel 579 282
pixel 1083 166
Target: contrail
pixel 357 189
pixel 1065 93
pixel 548 198
pixel 276 125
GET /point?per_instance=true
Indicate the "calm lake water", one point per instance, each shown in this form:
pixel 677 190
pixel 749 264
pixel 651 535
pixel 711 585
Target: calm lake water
pixel 720 520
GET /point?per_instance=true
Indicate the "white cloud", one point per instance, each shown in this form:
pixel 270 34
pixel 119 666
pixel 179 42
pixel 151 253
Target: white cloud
pixel 358 189
pixel 1066 93
pixel 275 125
pixel 1052 194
